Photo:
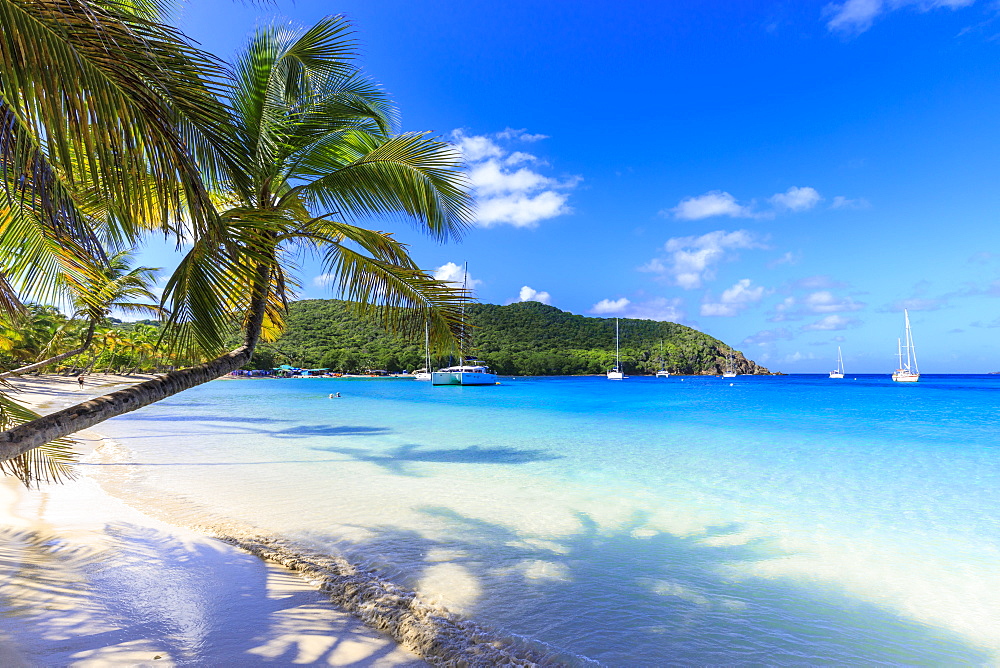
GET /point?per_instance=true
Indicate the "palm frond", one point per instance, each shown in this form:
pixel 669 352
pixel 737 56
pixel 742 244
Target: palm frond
pixel 408 174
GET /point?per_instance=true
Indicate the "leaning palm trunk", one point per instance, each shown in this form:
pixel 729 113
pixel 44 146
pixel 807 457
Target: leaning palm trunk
pixel 58 358
pixel 25 437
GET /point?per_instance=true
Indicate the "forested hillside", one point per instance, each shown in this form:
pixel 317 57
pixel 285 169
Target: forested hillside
pixel 526 338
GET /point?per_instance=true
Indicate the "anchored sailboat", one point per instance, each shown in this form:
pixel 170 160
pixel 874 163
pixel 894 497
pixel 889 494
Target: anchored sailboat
pixel 662 373
pixel 908 372
pixel 730 371
pixel 469 371
pixel 616 373
pixel 425 373
pixel 839 371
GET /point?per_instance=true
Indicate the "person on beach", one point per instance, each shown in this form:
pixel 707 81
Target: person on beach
pixel 79 379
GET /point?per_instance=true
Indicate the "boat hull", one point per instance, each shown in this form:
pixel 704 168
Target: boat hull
pixel 905 377
pixel 729 374
pixel 663 374
pixel 463 378
pixel 422 375
pixel 834 374
pixel 616 375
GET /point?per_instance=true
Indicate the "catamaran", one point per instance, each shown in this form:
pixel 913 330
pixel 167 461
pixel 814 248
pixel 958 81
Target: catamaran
pixel 662 373
pixel 469 371
pixel 616 373
pixel 906 373
pixel 730 371
pixel 839 371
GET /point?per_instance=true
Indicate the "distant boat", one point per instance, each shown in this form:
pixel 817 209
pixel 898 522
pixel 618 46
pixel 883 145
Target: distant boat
pixel 908 372
pixel 469 371
pixel 730 371
pixel 616 372
pixel 839 371
pixel 662 373
pixel 425 373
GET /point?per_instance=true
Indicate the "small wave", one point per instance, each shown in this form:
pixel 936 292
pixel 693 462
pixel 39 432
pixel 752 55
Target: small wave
pixel 430 631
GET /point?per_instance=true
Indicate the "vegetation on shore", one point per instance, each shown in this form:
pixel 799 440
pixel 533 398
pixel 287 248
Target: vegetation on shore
pixel 525 338
pixel 116 127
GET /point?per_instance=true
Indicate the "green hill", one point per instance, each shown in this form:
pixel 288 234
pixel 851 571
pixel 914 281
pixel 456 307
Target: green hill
pixel 526 338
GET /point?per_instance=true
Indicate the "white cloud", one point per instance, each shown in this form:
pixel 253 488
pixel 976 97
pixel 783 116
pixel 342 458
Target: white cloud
pixel 658 308
pixel 787 258
pixel 692 260
pixel 714 203
pixel 796 199
pixel 721 203
pixel 476 147
pixel 609 306
pixel 531 295
pixel 734 300
pixel 825 301
pixel 324 280
pixel 915 304
pixel 831 323
pixel 818 302
pixel 841 202
pixel 456 274
pixel 522 135
pixel 768 336
pixel 505 193
pixel 856 16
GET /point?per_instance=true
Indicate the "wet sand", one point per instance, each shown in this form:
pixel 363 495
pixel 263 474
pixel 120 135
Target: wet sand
pixel 86 580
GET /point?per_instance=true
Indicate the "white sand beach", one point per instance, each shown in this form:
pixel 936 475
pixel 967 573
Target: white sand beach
pixel 86 580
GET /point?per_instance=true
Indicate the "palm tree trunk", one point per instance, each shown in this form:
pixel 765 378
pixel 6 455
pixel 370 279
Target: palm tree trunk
pixel 58 358
pixel 22 438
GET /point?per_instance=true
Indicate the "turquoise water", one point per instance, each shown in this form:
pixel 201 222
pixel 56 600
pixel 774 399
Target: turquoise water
pixel 779 520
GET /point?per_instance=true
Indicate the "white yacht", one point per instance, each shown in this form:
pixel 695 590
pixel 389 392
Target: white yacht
pixel 662 373
pixel 473 373
pixel 730 371
pixel 908 372
pixel 839 371
pixel 425 373
pixel 616 372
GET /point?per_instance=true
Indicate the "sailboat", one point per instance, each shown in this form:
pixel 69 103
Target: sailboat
pixel 662 373
pixel 908 372
pixel 839 371
pixel 469 371
pixel 730 371
pixel 616 372
pixel 425 373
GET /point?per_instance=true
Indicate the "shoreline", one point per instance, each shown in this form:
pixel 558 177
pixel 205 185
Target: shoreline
pixel 87 580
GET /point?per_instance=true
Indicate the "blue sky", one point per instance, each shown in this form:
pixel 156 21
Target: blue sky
pixel 785 176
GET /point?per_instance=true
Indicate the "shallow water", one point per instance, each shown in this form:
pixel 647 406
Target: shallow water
pixel 783 520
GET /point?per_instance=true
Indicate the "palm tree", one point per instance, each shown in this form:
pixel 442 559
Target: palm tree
pixel 319 154
pixel 112 286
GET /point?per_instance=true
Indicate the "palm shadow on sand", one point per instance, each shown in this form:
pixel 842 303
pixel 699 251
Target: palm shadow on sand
pixel 614 595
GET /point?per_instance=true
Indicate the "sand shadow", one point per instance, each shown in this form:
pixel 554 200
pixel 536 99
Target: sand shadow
pixel 615 595
pixel 147 594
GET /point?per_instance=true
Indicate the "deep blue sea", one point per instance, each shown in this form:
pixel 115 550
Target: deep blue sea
pixel 690 520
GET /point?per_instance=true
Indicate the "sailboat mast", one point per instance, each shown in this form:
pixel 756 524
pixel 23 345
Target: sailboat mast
pixel 906 317
pixel 618 362
pixel 899 352
pixel 909 342
pixel 427 345
pixel 465 298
